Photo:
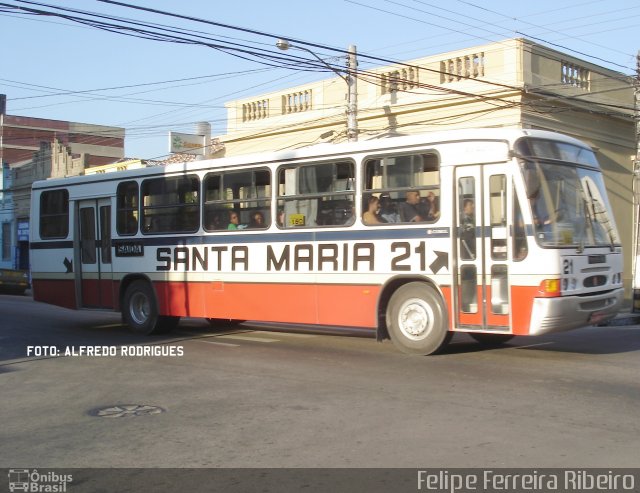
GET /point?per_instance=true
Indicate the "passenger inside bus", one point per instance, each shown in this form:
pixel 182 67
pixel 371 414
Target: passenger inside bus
pixel 433 207
pixel 213 221
pixel 370 215
pixel 413 210
pixel 468 230
pixel 234 220
pixel 388 210
pixel 257 220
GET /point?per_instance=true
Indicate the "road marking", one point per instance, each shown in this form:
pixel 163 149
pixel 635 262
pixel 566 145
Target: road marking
pixel 218 343
pixel 533 345
pixel 286 334
pixel 247 338
pixel 110 326
pixel 197 334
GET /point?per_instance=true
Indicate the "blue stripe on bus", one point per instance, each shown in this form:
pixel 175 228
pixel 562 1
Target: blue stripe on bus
pixel 235 238
pixel 45 245
pixel 306 236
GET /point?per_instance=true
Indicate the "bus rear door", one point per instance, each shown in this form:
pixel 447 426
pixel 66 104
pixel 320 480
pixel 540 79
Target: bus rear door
pixel 481 294
pixel 95 278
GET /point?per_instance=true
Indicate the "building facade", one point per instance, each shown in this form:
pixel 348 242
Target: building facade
pixel 7 231
pixel 20 137
pixel 513 83
pixel 39 148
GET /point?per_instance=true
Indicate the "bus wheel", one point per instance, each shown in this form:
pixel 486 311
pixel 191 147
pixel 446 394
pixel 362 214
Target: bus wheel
pixel 417 319
pixel 140 310
pixel 491 340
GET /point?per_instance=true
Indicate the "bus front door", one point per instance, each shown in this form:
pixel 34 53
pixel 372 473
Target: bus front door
pixel 481 291
pixel 95 279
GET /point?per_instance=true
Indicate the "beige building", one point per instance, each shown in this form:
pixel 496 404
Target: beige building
pixel 513 83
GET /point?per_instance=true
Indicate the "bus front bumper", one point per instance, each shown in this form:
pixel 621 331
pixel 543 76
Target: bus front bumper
pixel 571 312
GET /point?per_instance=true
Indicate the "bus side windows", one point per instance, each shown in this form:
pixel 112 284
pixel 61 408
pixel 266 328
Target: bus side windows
pixel 127 208
pixel 54 214
pixel 407 187
pixel 244 194
pixel 316 195
pixel 171 204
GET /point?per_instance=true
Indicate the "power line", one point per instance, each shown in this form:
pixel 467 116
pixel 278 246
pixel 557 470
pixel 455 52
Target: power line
pixel 260 55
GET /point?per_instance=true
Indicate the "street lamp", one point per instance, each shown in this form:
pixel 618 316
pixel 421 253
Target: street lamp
pixel 350 79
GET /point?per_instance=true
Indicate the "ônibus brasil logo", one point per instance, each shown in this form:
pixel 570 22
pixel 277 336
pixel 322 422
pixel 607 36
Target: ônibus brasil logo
pixel 31 480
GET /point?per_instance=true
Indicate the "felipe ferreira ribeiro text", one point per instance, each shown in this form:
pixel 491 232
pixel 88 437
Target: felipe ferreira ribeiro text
pixel 99 351
pixel 489 480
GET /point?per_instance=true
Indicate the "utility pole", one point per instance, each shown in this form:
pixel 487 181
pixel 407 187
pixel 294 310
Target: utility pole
pixel 636 113
pixel 636 190
pixel 352 97
pixel 350 79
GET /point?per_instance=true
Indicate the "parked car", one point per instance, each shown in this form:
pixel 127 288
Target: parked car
pixel 13 281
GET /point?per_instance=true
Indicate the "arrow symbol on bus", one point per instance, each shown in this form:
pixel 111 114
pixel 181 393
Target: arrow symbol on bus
pixel 442 260
pixel 68 264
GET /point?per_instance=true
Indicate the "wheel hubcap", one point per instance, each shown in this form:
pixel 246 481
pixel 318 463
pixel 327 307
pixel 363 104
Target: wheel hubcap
pixel 415 319
pixel 140 308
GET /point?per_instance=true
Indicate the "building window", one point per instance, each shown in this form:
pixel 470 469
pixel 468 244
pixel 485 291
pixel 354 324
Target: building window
pixel 404 79
pixel 295 102
pixel 54 214
pixel 6 241
pixel 465 67
pixel 576 76
pixel 256 110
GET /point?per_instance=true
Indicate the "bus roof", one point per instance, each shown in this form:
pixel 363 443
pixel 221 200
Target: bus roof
pixel 508 135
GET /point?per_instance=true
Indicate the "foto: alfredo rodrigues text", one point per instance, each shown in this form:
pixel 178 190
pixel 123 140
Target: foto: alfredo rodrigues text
pixel 101 351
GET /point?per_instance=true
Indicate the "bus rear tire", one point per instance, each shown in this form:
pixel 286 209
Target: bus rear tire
pixel 417 319
pixel 491 340
pixel 140 310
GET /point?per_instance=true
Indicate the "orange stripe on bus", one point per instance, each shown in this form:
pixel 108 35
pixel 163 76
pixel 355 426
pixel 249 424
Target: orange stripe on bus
pixel 353 306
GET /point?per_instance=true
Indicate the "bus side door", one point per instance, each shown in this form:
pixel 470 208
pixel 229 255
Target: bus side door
pixel 481 245
pixel 95 277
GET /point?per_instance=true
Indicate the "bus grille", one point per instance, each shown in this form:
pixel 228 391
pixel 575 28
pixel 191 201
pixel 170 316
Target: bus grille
pixel 590 306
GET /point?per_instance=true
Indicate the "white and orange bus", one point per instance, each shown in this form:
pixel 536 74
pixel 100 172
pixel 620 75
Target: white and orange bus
pixel 493 232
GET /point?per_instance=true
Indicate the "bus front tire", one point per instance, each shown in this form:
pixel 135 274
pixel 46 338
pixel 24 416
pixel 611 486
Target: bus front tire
pixel 140 311
pixel 417 319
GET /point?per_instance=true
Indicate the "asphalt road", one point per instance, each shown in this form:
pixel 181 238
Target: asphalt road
pixel 241 396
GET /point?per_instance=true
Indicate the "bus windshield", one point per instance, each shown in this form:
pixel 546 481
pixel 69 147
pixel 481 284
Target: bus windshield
pixel 567 195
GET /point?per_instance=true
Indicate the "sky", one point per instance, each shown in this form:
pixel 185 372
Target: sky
pixel 111 74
